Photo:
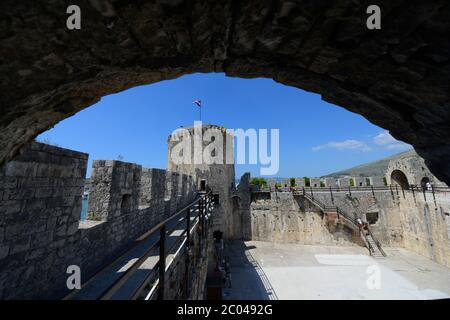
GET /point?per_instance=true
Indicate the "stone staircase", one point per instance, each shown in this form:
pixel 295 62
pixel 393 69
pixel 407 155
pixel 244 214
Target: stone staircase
pixel 375 250
pixel 373 245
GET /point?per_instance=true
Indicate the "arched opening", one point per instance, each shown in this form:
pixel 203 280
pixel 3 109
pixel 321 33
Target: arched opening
pixel 399 178
pixel 369 73
pixel 425 183
pixel 125 205
pixel 384 75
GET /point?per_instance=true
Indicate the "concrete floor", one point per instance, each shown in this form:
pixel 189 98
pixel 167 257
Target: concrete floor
pixel 264 270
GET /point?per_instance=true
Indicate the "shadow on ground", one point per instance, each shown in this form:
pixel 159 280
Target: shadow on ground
pixel 248 280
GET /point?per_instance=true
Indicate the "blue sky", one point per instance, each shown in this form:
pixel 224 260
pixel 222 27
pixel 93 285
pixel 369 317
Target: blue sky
pixel 316 137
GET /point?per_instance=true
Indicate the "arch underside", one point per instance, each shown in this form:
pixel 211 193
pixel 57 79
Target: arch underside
pixel 396 77
pixel 399 178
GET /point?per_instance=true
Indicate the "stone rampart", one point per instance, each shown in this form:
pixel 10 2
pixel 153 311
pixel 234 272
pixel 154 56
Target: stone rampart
pixel 40 207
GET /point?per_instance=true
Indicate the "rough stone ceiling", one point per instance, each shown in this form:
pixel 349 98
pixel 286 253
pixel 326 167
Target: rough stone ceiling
pixel 397 77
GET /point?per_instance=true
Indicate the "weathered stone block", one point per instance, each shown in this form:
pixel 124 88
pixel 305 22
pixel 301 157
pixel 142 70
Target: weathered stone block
pixel 8 182
pixel 72 228
pixel 330 182
pixel 51 223
pixel 4 251
pixel 21 244
pixel 314 182
pixel 300 182
pixel 18 194
pixel 10 207
pixel 344 182
pixel 35 254
pixel 377 181
pixel 43 192
pixel 41 239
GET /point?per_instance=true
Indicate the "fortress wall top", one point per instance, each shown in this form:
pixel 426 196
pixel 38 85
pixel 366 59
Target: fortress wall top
pixel 153 186
pixel 377 181
pixel 115 189
pixel 415 170
pixel 40 207
pixel 343 182
pixel 299 182
pixel 314 182
pixel 359 181
pixel 329 182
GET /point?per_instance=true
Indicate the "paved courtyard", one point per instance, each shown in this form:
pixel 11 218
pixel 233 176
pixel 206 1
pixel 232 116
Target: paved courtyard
pixel 264 270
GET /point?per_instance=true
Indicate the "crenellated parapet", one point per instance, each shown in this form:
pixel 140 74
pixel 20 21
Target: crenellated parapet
pixel 41 234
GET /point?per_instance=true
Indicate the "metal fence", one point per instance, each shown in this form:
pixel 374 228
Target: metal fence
pixel 192 218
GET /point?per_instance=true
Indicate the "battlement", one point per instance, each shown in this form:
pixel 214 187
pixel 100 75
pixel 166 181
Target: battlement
pixel 40 207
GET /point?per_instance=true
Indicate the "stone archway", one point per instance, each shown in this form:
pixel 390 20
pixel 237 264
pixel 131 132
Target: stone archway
pixel 396 77
pixel 400 179
pixel 424 182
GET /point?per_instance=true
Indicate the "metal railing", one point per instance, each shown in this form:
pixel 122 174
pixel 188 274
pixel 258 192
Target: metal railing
pixel 194 215
pixel 348 218
pixel 394 187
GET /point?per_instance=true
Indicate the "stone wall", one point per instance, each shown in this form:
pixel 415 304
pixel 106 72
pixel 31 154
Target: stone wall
pixel 283 217
pixel 40 231
pixel 388 227
pixel 399 218
pixel 40 205
pixel 404 219
pixel 426 225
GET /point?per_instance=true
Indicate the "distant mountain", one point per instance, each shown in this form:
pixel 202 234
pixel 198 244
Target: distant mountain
pixel 375 168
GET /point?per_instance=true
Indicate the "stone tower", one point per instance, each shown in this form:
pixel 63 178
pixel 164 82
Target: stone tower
pixel 206 152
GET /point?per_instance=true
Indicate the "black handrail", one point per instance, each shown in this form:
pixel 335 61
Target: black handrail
pixel 162 252
pixel 378 243
pixel 372 189
pixel 346 216
pixel 161 227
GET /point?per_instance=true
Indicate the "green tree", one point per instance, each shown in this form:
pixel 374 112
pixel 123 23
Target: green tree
pixel 292 182
pixel 261 182
pixel 307 182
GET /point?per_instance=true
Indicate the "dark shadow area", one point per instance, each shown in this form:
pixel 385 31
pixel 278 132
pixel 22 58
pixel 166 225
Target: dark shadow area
pixel 248 280
pixel 399 178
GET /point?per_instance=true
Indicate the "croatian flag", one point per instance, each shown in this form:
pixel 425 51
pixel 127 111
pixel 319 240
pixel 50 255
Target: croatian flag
pixel 198 103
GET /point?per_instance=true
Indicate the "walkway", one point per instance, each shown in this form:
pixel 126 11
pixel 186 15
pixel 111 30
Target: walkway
pixel 292 271
pixel 96 287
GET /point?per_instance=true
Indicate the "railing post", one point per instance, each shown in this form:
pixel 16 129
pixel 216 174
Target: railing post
pixel 200 225
pixel 434 198
pixel 414 194
pixel 349 191
pixel 205 213
pixel 392 192
pixel 373 191
pixel 332 198
pixel 202 214
pixel 304 191
pixel 162 261
pixel 424 194
pixel 188 249
pixel 312 194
